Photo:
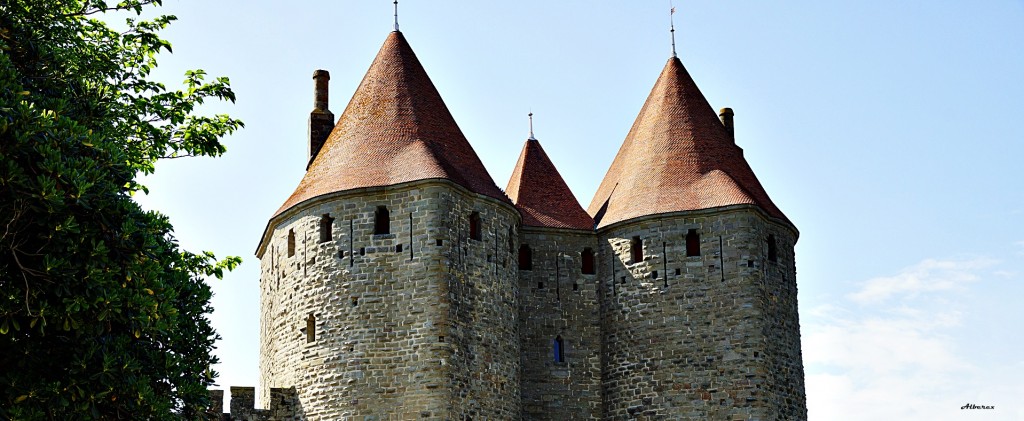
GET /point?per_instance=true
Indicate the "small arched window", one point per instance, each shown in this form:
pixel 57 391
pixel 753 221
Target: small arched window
pixel 325 227
pixel 587 258
pixel 382 221
pixel 636 248
pixel 559 349
pixel 773 252
pixel 692 243
pixel 475 233
pixel 291 243
pixel 525 257
pixel 310 328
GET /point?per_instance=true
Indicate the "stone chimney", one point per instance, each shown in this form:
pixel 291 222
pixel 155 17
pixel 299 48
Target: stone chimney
pixel 321 120
pixel 726 115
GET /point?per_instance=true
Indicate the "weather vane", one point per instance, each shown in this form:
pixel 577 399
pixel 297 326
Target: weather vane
pixel 396 15
pixel 671 21
pixel 531 125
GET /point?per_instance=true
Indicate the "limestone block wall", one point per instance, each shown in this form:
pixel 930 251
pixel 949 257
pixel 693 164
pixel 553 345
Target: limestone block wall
pixel 783 359
pixel 557 300
pixel 409 324
pixel 714 336
pixel 482 299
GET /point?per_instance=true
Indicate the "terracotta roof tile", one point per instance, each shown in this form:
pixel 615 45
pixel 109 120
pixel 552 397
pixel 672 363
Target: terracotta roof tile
pixel 395 129
pixel 541 194
pixel 678 156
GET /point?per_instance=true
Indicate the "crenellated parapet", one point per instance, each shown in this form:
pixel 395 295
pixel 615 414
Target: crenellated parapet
pixel 284 405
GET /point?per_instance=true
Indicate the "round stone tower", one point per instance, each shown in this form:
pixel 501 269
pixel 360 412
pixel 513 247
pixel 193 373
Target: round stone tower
pixel 699 313
pixel 387 290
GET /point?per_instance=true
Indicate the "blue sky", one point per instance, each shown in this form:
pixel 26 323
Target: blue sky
pixel 889 132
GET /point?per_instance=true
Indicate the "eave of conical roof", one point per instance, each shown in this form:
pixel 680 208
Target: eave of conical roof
pixel 395 129
pixel 678 156
pixel 540 193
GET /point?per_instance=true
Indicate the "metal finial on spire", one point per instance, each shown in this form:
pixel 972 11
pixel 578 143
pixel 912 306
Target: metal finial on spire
pixel 396 15
pixel 531 126
pixel 672 25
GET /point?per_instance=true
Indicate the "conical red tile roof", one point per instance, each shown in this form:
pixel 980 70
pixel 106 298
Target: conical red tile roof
pixel 677 157
pixel 540 193
pixel 395 129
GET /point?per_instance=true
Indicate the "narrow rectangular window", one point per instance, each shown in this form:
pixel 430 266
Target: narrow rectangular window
pixel 525 257
pixel 475 231
pixel 587 258
pixel 291 243
pixel 382 221
pixel 636 247
pixel 310 328
pixel 326 222
pixel 692 243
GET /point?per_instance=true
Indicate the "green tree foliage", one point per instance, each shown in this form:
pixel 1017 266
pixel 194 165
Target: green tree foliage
pixel 102 315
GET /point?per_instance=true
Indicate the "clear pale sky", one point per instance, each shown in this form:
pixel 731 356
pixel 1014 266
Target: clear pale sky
pixel 890 132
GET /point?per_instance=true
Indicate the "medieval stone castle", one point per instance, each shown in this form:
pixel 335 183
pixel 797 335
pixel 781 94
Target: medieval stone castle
pixel 399 282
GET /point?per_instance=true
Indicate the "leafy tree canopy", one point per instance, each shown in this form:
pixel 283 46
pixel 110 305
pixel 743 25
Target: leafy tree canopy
pixel 102 315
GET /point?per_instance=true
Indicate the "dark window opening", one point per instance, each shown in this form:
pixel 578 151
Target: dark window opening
pixel 362 251
pixel 310 328
pixel 489 257
pixel 575 286
pixel 291 243
pixel 588 261
pixel 525 257
pixel 692 243
pixel 636 248
pixel 355 301
pixel 559 350
pixel 750 263
pixel 440 338
pixel 623 279
pixel 341 254
pixel 773 253
pixel 398 248
pixel 439 242
pixel 382 221
pixel 325 227
pixel 475 233
pixel 711 268
pixel 654 274
pixel 540 285
pixel 678 271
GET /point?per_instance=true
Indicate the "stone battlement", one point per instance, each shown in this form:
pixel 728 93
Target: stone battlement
pixel 284 405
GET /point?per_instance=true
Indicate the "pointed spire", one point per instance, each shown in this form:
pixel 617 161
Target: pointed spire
pixel 678 156
pixel 540 193
pixel 396 15
pixel 395 129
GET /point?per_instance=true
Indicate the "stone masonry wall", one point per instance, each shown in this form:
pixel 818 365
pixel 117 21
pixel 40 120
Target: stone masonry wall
pixel 408 325
pixel 783 359
pixel 283 405
pixel 558 300
pixel 713 336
